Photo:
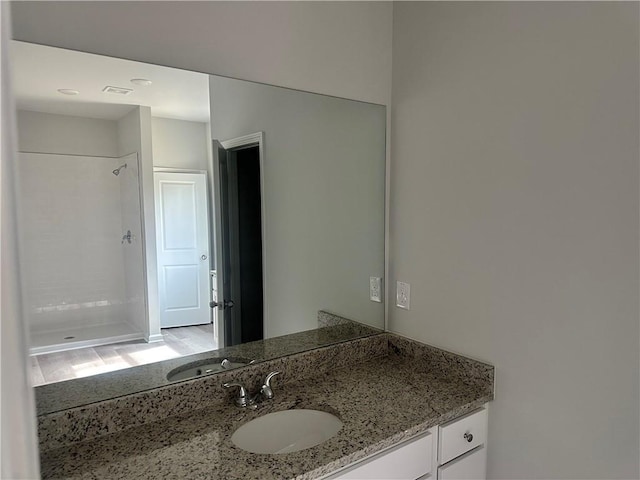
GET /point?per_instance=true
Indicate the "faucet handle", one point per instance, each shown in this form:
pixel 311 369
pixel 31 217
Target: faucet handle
pixel 243 399
pixel 266 390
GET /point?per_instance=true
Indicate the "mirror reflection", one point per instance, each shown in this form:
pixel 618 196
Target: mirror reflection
pixel 166 213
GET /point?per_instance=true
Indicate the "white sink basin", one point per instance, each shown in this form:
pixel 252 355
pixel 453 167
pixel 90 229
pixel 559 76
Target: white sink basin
pixel 287 431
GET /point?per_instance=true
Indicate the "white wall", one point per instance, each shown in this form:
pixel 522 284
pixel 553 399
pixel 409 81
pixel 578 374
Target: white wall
pixel 132 254
pixel 69 210
pixel 64 218
pixel 50 133
pixel 336 48
pixel 323 195
pixel 134 135
pixel 514 216
pixel 179 144
pixel 18 436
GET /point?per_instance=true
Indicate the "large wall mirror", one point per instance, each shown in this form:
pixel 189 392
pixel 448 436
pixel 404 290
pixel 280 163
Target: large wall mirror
pixel 165 213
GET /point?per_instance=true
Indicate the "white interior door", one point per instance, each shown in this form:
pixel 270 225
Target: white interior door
pixel 182 238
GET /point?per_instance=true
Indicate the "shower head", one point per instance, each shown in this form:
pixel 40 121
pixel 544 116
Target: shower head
pixel 116 172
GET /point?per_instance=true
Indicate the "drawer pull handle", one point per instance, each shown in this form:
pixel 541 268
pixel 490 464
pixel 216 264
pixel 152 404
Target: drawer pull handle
pixel 468 437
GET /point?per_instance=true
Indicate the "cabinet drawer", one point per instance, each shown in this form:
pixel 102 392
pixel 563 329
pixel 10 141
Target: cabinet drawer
pixel 462 434
pixel 408 461
pixel 471 466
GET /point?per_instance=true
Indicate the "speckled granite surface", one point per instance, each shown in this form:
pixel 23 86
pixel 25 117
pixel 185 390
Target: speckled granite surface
pixel 59 396
pixel 381 401
pixel 327 319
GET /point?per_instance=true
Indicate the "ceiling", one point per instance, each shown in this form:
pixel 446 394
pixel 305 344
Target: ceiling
pixel 39 71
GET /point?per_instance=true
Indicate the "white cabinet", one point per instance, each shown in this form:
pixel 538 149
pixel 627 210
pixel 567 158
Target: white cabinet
pixel 409 460
pixel 456 450
pixel 462 452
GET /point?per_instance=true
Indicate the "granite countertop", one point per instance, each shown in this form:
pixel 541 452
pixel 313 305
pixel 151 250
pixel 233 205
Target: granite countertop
pixel 381 402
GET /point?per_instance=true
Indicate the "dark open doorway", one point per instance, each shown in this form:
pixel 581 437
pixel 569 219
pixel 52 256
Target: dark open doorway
pixel 242 244
pixel 250 243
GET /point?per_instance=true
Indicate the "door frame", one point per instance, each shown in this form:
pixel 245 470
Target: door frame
pixel 210 220
pixel 253 139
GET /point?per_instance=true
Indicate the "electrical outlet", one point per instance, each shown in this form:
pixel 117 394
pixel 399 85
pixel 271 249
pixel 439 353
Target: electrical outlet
pixel 375 289
pixel 403 295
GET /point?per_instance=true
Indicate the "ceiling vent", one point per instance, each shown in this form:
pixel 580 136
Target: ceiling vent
pixel 117 90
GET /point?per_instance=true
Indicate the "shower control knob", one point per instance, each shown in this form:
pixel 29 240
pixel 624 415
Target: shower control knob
pixel 203 257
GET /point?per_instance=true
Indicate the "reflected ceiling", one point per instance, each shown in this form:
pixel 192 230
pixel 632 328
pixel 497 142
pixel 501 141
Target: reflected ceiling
pixel 90 74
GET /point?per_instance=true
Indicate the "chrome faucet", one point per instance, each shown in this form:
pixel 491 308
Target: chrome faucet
pixel 245 399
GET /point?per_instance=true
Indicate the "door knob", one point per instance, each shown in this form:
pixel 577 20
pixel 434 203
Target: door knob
pixel 203 257
pixel 223 305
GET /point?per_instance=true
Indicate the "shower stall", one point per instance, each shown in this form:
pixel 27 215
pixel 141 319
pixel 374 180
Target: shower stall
pixel 82 250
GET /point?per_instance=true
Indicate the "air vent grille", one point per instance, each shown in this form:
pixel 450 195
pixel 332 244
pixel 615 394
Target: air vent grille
pixel 117 90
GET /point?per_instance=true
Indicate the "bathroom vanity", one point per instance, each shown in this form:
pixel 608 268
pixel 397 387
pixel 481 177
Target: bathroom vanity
pixel 408 411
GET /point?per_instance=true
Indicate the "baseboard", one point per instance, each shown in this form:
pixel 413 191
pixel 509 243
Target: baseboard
pixel 61 347
pixel 156 337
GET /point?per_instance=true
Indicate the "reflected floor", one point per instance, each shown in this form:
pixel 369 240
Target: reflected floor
pixel 83 362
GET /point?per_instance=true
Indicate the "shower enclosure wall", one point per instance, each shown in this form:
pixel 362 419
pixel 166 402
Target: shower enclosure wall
pixel 81 249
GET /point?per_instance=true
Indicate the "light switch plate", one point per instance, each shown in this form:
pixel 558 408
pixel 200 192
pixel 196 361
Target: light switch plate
pixel 403 295
pixel 375 289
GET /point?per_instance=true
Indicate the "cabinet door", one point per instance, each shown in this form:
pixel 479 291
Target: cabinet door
pixel 409 461
pixel 471 466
